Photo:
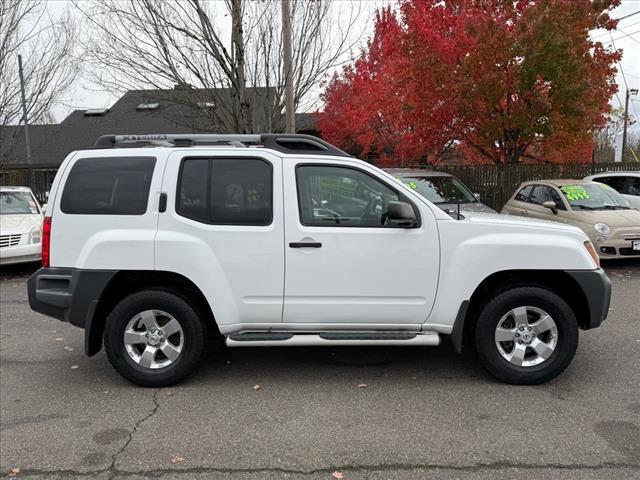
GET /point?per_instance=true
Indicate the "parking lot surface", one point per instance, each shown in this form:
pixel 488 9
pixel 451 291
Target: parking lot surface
pixel 349 413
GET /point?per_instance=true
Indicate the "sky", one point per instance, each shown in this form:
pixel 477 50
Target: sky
pixel 85 95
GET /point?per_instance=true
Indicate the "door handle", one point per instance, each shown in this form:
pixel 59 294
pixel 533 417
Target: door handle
pixel 305 245
pixel 162 204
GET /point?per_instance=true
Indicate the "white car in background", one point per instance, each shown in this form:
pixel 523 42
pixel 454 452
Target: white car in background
pixel 20 226
pixel 625 183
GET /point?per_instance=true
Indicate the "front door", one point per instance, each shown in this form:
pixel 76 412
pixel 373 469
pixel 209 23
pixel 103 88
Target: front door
pixel 544 193
pixel 343 264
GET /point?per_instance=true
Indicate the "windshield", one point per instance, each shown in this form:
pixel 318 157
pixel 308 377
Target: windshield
pixel 594 196
pixel 16 203
pixel 440 189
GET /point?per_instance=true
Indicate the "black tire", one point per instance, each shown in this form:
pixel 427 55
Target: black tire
pixel 182 311
pixel 497 307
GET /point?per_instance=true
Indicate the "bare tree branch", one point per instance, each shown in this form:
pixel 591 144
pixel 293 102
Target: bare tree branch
pixel 223 50
pixel 47 47
pixel 49 63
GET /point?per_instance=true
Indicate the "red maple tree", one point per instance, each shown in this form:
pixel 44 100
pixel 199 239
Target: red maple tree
pixel 495 80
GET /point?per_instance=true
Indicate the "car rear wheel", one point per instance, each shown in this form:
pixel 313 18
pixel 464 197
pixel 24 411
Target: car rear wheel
pixel 154 338
pixel 526 335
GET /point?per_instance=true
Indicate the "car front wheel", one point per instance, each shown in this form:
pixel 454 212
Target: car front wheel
pixel 526 335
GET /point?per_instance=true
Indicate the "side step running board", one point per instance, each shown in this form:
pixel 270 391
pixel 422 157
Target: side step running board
pixel 332 339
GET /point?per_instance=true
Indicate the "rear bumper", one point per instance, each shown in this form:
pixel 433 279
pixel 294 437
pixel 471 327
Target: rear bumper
pixel 67 294
pixel 596 287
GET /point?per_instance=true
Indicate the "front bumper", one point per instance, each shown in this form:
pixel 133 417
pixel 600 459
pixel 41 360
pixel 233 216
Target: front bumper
pixel 20 254
pixel 596 287
pixel 616 249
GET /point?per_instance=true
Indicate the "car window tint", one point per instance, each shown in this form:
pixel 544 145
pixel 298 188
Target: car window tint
pixel 108 186
pixel 617 182
pixel 633 186
pixel 194 180
pixel 523 195
pixel 226 191
pixel 339 196
pixel 543 193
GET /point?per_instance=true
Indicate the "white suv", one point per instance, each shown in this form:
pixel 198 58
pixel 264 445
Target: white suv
pixel 156 243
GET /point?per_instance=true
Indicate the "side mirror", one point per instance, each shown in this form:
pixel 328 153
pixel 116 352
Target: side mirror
pixel 551 205
pixel 477 195
pixel 401 214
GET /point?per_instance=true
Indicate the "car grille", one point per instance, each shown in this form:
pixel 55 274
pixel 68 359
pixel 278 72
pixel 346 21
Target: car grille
pixel 629 251
pixel 9 240
pixel 629 234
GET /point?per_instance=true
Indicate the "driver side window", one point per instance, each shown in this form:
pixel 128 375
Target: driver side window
pixel 341 196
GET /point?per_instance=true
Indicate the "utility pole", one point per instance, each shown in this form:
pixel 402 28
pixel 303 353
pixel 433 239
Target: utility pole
pixel 633 91
pixel 290 114
pixel 25 118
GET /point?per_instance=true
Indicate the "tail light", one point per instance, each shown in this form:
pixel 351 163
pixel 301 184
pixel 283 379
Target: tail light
pixel 46 241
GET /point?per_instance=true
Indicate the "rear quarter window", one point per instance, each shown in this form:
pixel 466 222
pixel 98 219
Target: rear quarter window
pixel 108 186
pixel 226 191
pixel 616 182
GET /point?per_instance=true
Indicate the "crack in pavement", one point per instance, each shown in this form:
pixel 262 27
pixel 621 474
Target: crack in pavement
pixel 111 469
pixel 384 467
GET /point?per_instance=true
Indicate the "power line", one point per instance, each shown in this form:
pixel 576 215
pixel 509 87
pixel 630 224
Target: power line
pixel 627 35
pixel 623 36
pixel 604 34
pixel 627 16
pixel 626 113
pixel 631 38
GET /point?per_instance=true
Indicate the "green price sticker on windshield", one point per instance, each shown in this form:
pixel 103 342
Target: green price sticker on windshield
pixel 410 184
pixel 574 192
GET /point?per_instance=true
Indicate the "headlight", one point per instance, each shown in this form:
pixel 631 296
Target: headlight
pixel 35 235
pixel 602 228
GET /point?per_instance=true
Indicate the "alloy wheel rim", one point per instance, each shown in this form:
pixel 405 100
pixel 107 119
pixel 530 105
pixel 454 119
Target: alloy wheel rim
pixel 526 336
pixel 153 339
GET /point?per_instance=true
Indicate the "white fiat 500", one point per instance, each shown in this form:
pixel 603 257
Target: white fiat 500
pixel 20 226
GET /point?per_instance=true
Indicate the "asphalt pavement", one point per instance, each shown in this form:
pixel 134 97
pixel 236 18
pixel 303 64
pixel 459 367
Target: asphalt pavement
pixel 351 413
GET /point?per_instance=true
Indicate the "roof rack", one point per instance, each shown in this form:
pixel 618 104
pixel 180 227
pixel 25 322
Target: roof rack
pixel 285 143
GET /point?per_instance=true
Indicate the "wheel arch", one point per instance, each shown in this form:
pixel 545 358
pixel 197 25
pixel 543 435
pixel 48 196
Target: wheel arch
pixel 558 281
pixel 126 282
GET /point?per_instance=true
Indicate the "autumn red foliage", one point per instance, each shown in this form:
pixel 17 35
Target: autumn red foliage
pixel 497 81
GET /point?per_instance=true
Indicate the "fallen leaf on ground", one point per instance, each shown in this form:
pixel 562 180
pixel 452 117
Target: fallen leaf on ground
pixel 256 387
pixel 177 459
pixel 362 385
pixel 337 475
pixel 14 471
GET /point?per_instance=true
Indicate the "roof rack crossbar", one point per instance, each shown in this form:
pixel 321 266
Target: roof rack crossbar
pixel 285 143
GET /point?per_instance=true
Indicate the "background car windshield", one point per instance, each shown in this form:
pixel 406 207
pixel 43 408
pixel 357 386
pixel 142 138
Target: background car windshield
pixel 15 203
pixel 593 196
pixel 440 189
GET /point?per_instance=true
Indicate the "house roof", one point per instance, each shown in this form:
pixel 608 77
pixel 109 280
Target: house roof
pixel 178 111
